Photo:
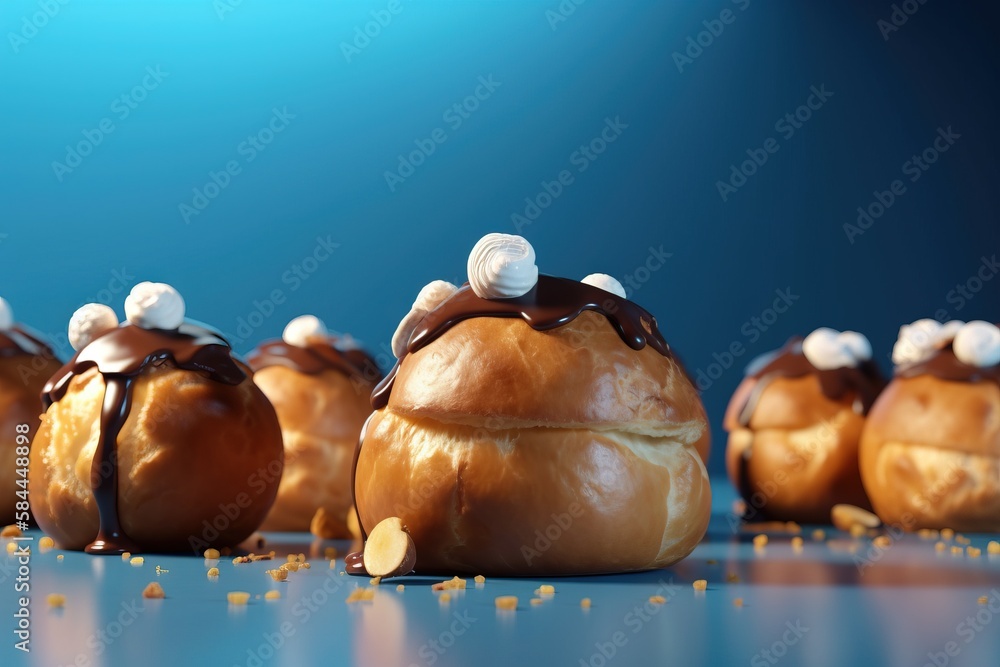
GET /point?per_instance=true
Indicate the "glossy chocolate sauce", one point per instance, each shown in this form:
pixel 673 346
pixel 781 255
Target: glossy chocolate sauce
pixel 120 356
pixel 551 303
pixel 318 356
pixel 354 564
pixel 946 366
pixel 18 340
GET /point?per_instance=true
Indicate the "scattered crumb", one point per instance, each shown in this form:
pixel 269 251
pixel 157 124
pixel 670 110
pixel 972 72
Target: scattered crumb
pixel 733 578
pixel 585 603
pixel 506 602
pixel 290 567
pixel 759 541
pixel 272 595
pixel 212 554
pixel 983 599
pixel 793 528
pixel 239 560
pixel 536 601
pixel 278 575
pixel 738 602
pixel 375 581
pixel 60 557
pixel 137 561
pixel 962 539
pixel 46 542
pixel 268 556
pixel 451 584
pixel 160 570
pixel 973 552
pixel 10 531
pixel 940 546
pixel 857 530
pixel 333 564
pixel 11 547
pixel 480 579
pixel 819 535
pixel 292 558
pixel 957 551
pixel 927 534
pixel 700 584
pixel 126 555
pixel 993 548
pixel 56 600
pixel 947 534
pixel 657 599
pixel 400 588
pixel 361 595
pixel 238 597
pixel 797 543
pixel 545 589
pixel 153 591
pixel 882 542
pixel 213 572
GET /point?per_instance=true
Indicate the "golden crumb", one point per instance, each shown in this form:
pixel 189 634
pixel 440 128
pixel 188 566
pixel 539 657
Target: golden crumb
pixel 238 597
pixel 239 560
pixel 733 578
pixel 545 589
pixel 375 581
pixel 738 602
pixel 305 566
pixel 153 591
pixel 940 546
pixel 993 548
pixel 819 535
pixel 272 595
pixel 400 588
pixel 927 534
pixel 213 572
pixel 278 575
pixel 444 598
pixel 857 530
pixel 452 584
pixel 361 595
pixel 60 557
pixel 256 557
pixel 56 600
pixel 480 579
pixel 882 542
pixel 126 555
pixel 46 542
pixel 212 554
pixel 506 602
pixel 947 534
pixel 759 541
pixel 793 528
pixel 657 599
pixel 585 603
pixel 797 543
pixel 700 584
pixel 137 561
pixel 957 551
pixel 536 601
pixel 973 552
pixel 962 539
pixel 292 558
pixel 160 570
pixel 11 547
pixel 10 531
pixel 982 599
pixel 290 567
pixel 333 564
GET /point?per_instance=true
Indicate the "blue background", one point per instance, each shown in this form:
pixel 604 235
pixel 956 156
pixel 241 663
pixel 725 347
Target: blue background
pixel 229 66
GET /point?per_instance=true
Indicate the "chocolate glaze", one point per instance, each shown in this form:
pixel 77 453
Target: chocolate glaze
pixel 354 564
pixel 19 340
pixel 552 302
pixel 866 381
pixel 318 356
pixel 120 355
pixel 946 366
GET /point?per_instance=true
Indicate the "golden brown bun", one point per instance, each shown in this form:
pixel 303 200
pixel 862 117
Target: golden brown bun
pixel 321 418
pixel 930 454
pixel 22 378
pixel 803 456
pixel 507 451
pixel 198 462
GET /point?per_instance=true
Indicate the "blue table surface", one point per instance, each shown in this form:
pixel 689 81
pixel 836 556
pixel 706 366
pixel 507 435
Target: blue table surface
pixel 839 601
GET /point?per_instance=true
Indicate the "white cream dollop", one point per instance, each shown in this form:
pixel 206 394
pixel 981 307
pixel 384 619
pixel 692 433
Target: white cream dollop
pixel 827 349
pixel 429 298
pixel 978 344
pixel 921 339
pixel 606 283
pixel 298 332
pixel 6 315
pixel 88 322
pixel 154 306
pixel 502 266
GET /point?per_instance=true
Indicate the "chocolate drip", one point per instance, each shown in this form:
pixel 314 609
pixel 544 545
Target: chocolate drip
pixel 946 366
pixel 354 564
pixel 317 357
pixel 866 380
pixel 19 340
pixel 552 302
pixel 120 356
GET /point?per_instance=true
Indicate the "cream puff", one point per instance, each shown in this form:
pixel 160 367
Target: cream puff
pixel 26 362
pixel 534 425
pixel 320 387
pixel 794 425
pixel 154 437
pixel 930 451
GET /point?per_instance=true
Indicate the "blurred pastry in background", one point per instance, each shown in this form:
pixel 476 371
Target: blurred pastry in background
pixel 930 452
pixel 320 386
pixel 794 426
